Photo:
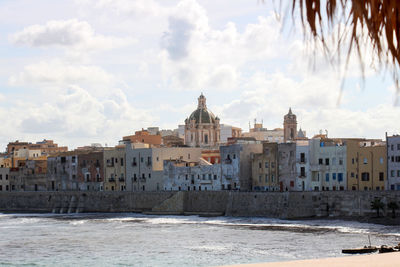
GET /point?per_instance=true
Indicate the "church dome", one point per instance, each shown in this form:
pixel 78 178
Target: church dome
pixel 202 114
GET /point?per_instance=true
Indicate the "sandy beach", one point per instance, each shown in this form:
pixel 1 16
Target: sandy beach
pixel 373 260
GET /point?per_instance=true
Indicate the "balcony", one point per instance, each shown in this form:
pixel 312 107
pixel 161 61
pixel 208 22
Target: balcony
pixel 228 161
pixel 121 179
pixel 110 164
pixel 111 180
pixel 301 161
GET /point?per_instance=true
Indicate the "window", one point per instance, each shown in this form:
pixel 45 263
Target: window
pixel 266 164
pixel 320 161
pixel 340 177
pixel 365 176
pixel 365 161
pixel 291 183
pixel 272 164
pixel 259 165
pixel 6 176
pixel 398 173
pixel 272 178
pixel 215 177
pixel 352 174
pixel 333 161
pixel 392 173
pixel 122 162
pixel 234 156
pixel 398 146
pixel 302 172
pixel 352 161
pixel 204 176
pixel 381 176
pixel 391 147
pixel 327 161
pixel 381 160
pixel 1 176
pixel 209 176
pixel 327 177
pixel 259 178
pixel 266 178
pixel 333 176
pixel 141 159
pixel 302 157
pixel 149 175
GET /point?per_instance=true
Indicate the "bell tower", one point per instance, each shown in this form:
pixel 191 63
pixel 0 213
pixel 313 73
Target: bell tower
pixel 289 127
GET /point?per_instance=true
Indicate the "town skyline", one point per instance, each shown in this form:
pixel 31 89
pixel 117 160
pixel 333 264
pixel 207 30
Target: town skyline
pixel 104 80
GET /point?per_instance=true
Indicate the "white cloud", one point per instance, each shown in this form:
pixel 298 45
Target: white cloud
pixel 60 72
pixel 69 34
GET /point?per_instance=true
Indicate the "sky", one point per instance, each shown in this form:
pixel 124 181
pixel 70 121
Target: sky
pixel 92 71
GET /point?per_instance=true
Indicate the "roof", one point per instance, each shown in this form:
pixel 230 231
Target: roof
pixel 202 116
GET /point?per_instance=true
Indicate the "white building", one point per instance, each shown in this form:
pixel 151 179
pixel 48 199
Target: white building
pixel 303 180
pixel 393 162
pixel 328 165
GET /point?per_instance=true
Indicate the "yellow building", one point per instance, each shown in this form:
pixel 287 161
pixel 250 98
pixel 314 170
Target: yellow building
pixel 265 169
pixel 366 165
pixel 115 169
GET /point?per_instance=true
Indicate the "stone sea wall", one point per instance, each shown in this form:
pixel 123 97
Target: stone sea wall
pixel 286 205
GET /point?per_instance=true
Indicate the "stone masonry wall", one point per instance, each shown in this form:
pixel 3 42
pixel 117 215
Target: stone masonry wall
pixel 286 205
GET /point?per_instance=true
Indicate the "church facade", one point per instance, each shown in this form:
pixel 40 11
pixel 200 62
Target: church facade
pixel 202 128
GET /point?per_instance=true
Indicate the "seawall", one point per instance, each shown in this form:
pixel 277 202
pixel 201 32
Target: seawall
pixel 285 205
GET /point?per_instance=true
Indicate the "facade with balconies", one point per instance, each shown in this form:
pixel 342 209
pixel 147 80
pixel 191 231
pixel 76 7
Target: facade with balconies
pixel 303 178
pixel 328 164
pixel 115 169
pixel 144 166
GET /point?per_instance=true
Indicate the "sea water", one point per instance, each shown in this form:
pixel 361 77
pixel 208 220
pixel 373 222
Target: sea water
pixel 146 240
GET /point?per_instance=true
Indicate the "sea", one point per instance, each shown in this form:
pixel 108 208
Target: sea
pixel 130 239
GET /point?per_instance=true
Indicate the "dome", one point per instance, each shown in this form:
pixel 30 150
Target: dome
pixel 202 114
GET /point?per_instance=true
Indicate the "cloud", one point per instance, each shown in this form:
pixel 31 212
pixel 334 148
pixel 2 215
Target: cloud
pixel 176 40
pixel 69 34
pixel 57 71
pixel 75 113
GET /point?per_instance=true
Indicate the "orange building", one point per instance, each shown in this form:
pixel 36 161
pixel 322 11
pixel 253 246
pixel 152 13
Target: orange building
pixel 144 136
pixel 212 156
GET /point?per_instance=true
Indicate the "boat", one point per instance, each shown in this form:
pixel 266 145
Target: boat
pixel 365 249
pixel 386 249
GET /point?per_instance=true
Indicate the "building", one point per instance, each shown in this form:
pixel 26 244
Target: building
pixel 115 169
pixel 265 169
pixel 45 147
pixel 202 128
pixel 236 162
pixel 186 176
pixel 328 164
pixel 228 131
pixel 172 141
pixel 4 179
pixel 287 166
pixel 303 179
pixel 263 134
pixel 366 164
pixel 91 171
pixel 289 127
pixel 146 137
pixel 144 166
pixel 234 172
pixel 393 162
pixel 211 155
pixel 62 171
